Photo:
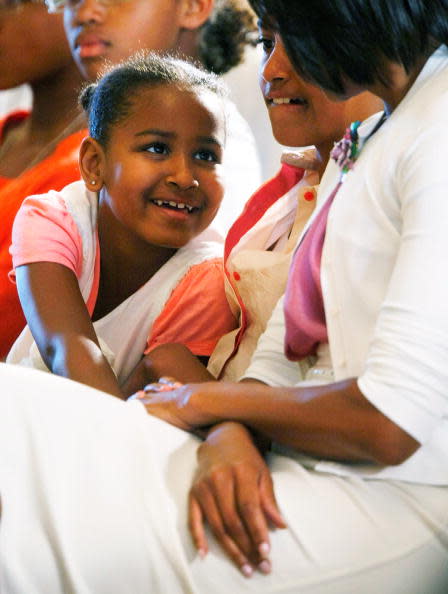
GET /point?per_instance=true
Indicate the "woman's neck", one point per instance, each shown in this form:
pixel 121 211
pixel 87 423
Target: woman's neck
pixel 54 116
pixel 323 155
pixel 399 81
pixel 55 103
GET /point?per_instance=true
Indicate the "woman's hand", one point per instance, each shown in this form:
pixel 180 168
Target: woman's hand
pixel 177 404
pixel 233 492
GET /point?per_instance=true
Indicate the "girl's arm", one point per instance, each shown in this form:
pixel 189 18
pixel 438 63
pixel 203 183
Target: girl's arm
pixel 61 326
pixel 174 360
pixel 334 421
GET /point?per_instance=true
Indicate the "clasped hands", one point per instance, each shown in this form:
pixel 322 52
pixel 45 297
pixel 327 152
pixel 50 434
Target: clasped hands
pixel 232 490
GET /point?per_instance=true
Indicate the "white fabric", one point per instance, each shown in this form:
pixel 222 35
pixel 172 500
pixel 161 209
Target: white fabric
pixel 123 332
pixel 241 173
pixel 262 273
pixel 385 292
pixel 244 91
pixel 15 99
pixel 94 495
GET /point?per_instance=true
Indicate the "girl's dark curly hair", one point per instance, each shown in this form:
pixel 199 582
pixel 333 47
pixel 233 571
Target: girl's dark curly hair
pixel 109 100
pixel 225 35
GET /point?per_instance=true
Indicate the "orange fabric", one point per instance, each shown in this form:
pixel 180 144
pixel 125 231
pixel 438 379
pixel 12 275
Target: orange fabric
pixel 53 173
pixel 197 313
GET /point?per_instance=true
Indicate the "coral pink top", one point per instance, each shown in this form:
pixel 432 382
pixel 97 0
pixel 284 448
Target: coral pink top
pixel 183 302
pixel 54 172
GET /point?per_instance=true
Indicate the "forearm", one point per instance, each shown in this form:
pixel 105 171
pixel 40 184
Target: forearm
pixel 81 359
pixel 173 360
pixel 334 421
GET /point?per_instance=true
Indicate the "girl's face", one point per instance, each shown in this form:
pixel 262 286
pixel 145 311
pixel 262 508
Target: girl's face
pixel 301 114
pixel 100 33
pixel 160 174
pixel 32 44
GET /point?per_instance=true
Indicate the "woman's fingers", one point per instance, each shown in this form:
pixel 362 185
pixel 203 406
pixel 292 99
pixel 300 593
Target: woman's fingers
pixel 196 525
pixel 205 499
pixel 251 512
pixel 268 501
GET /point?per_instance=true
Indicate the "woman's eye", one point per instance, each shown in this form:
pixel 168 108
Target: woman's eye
pixel 159 148
pixel 206 155
pixel 265 42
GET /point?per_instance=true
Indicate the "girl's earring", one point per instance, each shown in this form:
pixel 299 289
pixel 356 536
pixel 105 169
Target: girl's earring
pixel 93 182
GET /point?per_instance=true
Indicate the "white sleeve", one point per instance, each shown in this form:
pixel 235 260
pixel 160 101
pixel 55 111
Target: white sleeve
pixel 269 363
pixel 406 373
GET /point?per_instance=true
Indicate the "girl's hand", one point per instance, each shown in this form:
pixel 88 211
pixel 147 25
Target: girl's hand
pixel 233 492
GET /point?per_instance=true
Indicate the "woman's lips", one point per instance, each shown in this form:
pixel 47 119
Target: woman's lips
pixel 91 49
pixel 90 46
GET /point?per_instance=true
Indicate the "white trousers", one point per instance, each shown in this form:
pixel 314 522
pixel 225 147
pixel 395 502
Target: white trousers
pixel 94 495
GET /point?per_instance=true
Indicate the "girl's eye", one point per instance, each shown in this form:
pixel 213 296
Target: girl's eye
pixel 159 148
pixel 207 155
pixel 265 42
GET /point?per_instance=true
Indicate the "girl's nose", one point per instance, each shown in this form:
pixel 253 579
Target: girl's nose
pixel 181 175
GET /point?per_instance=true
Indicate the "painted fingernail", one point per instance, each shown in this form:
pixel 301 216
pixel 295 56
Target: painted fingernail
pixel 265 566
pixel 139 394
pixel 246 570
pixel 264 549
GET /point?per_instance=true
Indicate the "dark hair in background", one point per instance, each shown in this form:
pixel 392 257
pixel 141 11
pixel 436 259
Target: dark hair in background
pixel 225 35
pixel 109 100
pixel 329 40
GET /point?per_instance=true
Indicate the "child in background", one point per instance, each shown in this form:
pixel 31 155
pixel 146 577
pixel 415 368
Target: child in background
pixel 211 33
pixel 99 262
pixel 38 150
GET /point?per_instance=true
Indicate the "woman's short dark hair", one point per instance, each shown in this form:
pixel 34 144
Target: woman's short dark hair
pixel 332 40
pixel 225 35
pixel 109 100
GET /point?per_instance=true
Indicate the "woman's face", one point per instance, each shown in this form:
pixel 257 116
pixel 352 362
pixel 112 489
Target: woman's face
pixel 101 33
pixel 32 44
pixel 301 114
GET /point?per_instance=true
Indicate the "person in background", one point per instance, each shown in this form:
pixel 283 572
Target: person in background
pixel 38 149
pixel 212 34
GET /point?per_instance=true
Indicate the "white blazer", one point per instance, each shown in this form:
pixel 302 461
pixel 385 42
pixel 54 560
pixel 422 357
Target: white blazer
pixel 383 274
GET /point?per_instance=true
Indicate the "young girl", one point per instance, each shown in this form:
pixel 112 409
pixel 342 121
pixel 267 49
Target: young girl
pixel 38 150
pixel 98 263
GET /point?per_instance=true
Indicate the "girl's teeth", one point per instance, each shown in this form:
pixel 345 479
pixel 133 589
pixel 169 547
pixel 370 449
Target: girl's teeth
pixel 178 205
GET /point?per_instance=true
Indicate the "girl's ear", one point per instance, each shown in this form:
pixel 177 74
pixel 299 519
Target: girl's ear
pixel 91 163
pixel 195 13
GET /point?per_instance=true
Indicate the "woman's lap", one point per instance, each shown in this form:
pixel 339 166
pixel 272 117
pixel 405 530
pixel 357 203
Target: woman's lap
pixel 94 500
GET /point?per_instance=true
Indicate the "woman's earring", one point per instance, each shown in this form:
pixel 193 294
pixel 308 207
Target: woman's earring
pixel 93 182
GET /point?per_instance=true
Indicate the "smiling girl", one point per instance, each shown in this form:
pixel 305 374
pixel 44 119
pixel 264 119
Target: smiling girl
pixel 99 262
